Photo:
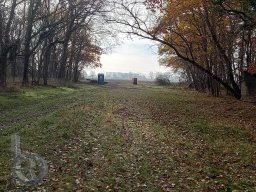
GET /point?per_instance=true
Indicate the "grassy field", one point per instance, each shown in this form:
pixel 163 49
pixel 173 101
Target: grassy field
pixel 122 137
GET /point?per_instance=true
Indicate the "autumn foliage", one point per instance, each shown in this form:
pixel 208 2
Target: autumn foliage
pixel 215 41
pixel 252 69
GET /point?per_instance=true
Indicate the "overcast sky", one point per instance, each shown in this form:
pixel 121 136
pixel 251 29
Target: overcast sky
pixel 137 55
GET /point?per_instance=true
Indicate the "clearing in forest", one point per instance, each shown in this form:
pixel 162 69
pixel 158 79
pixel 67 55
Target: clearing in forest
pixel 122 137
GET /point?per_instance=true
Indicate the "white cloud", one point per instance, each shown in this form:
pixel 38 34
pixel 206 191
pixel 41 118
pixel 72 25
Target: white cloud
pixel 137 55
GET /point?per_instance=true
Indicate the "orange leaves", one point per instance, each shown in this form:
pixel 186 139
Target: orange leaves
pixel 252 69
pixel 182 23
pixel 172 61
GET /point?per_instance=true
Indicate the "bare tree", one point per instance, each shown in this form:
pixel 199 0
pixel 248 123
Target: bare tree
pixel 39 38
pixel 5 44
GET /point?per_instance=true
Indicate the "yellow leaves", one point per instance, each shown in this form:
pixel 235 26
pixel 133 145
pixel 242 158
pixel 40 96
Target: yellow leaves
pixel 180 8
pixel 172 61
pixel 183 25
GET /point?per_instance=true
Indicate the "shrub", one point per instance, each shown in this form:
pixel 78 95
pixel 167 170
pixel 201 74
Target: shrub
pixel 163 80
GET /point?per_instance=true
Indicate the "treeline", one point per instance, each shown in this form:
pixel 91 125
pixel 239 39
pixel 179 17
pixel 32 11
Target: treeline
pixel 42 39
pixel 212 41
pixel 218 36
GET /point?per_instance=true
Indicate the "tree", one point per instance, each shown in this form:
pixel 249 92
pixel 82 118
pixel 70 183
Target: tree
pixel 6 46
pixel 243 9
pixel 191 31
pixel 32 10
pixel 80 15
pixel 50 39
pixel 151 75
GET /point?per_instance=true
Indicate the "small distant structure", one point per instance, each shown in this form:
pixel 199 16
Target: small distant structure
pixel 101 80
pixel 135 81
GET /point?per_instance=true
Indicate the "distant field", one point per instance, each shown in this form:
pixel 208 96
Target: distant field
pixel 122 137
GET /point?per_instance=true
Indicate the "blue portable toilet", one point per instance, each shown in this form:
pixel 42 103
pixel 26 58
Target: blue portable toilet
pixel 100 79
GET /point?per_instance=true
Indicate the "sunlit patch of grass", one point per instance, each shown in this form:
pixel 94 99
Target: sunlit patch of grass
pixel 26 96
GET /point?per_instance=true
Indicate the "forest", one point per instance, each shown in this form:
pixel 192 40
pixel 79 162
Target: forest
pixel 42 39
pixel 62 132
pixel 211 42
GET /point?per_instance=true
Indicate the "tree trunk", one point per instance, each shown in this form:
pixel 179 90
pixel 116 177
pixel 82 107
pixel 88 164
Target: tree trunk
pixel 2 73
pixel 40 65
pixel 47 58
pixel 3 65
pixel 5 42
pixel 29 30
pixel 62 70
pixel 71 58
pixel 235 87
pixel 76 72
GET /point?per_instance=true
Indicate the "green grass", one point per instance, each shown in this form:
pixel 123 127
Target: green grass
pixel 122 137
pixel 10 99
